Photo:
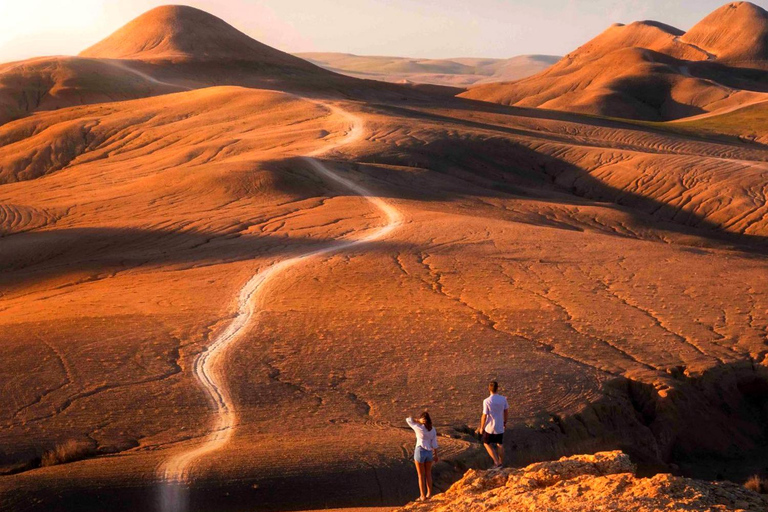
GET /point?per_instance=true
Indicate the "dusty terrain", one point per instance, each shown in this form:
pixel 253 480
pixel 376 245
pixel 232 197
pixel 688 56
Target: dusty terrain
pixel 460 72
pixel 652 71
pixel 612 276
pixel 604 481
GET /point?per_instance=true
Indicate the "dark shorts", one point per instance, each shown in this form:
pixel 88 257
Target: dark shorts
pixel 493 438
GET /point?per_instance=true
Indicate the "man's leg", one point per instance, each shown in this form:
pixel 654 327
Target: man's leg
pixel 492 452
pixel 500 448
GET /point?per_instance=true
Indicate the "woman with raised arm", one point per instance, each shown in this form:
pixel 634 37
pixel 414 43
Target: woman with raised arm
pixel 425 453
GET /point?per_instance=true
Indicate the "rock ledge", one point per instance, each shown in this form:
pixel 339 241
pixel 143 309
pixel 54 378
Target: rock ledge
pixel 604 481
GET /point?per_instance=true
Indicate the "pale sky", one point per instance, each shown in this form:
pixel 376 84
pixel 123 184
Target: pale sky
pixel 412 28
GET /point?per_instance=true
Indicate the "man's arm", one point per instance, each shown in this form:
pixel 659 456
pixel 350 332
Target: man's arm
pixel 506 415
pixel 483 420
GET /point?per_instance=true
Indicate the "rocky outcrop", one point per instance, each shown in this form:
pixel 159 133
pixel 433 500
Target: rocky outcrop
pixel 582 483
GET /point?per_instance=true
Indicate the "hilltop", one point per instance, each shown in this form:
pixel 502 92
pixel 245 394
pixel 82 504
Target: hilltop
pixel 736 32
pixel 176 32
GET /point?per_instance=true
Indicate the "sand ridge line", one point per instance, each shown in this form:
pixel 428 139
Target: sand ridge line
pixel 177 468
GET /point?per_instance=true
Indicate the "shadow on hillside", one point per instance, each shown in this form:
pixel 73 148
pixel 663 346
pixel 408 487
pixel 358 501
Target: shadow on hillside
pixel 707 424
pixel 749 79
pixel 36 256
pixel 305 489
pixel 470 105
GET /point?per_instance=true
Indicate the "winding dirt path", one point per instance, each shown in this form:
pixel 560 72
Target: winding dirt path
pixel 174 473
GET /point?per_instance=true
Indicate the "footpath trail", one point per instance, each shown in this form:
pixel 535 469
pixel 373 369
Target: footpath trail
pixel 174 473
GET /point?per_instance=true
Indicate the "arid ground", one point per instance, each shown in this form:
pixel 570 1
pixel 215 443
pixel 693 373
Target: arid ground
pixel 220 259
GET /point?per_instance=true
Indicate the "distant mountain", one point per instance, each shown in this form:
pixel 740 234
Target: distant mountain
pixel 459 72
pixel 652 71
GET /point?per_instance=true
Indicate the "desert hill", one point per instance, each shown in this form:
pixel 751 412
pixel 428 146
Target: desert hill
pixel 640 34
pixel 176 32
pixel 586 483
pixel 651 71
pixel 459 72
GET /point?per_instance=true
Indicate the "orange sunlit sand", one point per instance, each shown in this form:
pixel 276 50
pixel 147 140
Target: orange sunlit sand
pixel 227 274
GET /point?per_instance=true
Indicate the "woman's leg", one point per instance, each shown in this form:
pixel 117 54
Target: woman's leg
pixel 422 482
pixel 428 475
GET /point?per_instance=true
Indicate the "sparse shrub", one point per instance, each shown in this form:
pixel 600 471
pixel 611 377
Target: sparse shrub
pixel 757 484
pixel 68 451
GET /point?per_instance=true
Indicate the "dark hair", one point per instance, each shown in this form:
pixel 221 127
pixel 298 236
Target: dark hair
pixel 427 420
pixel 493 386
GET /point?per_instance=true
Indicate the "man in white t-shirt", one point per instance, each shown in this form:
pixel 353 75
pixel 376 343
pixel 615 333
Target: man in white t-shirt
pixel 492 424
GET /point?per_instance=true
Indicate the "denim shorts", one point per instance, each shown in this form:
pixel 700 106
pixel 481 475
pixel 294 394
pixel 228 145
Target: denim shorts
pixel 423 455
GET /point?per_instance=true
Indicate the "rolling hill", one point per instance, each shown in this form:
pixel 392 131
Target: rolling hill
pixel 54 82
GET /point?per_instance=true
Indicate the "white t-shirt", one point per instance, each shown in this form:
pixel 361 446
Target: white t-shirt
pixel 426 439
pixel 494 407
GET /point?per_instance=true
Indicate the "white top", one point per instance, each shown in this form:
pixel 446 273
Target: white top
pixel 494 407
pixel 426 439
